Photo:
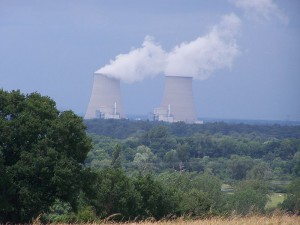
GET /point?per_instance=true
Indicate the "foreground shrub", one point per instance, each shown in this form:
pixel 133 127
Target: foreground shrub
pixel 292 201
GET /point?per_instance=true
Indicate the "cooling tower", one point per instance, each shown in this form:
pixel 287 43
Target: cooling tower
pixel 178 102
pixel 105 101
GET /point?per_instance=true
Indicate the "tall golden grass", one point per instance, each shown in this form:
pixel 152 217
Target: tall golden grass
pixel 282 219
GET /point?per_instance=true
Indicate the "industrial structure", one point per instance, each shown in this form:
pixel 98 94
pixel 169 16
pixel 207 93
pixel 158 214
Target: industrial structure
pixel 178 102
pixel 105 101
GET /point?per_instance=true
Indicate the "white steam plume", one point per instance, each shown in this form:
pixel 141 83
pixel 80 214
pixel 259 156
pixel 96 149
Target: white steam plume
pixel 147 61
pixel 198 58
pixel 261 9
pixel 215 50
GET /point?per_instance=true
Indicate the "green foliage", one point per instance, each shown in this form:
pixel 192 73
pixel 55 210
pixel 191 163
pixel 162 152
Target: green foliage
pixel 231 152
pixel 296 164
pixel 100 155
pixel 205 189
pixel 62 212
pixel 140 197
pixel 249 197
pixel 212 186
pixel 41 155
pixel 144 159
pixel 196 203
pixel 158 139
pixel 116 159
pixel 247 201
pixel 171 158
pixel 292 201
pixel 182 152
pixel 86 214
pixel 205 156
pixel 114 193
pixel 127 128
pixel 260 171
pixel 239 166
pixel 156 200
pixel 59 212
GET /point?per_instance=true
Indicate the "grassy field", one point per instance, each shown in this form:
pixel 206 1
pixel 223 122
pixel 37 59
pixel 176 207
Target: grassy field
pixel 277 220
pixel 236 220
pixel 275 199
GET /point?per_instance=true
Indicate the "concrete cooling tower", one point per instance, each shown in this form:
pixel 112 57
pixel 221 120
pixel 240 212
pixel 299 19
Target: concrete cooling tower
pixel 105 101
pixel 178 102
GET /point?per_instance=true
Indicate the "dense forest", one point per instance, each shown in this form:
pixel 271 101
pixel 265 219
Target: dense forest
pixel 228 167
pixel 55 166
pixel 229 151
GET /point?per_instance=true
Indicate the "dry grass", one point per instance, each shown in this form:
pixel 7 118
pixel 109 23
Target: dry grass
pixel 282 219
pixel 259 220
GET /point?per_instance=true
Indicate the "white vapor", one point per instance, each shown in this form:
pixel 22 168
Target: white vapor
pixel 215 50
pixel 261 9
pixel 197 59
pixel 147 61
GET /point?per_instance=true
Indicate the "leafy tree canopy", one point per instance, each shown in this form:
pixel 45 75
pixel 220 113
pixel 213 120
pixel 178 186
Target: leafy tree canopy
pixel 41 155
pixel 292 201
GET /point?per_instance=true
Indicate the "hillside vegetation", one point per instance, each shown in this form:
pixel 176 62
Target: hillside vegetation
pixel 232 152
pixel 54 169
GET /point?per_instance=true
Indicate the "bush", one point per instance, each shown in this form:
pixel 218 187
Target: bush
pixel 292 201
pixel 156 200
pixel 250 196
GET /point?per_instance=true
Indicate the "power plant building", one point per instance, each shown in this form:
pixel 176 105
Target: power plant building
pixel 105 101
pixel 178 101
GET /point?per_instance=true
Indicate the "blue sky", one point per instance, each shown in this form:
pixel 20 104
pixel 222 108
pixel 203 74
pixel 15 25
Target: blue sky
pixel 54 47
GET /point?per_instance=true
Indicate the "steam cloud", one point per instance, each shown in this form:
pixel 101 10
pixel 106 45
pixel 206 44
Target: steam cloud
pixel 261 9
pixel 198 58
pixel 147 61
pixel 215 50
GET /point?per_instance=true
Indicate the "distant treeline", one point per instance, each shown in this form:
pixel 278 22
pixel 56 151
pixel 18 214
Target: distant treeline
pixel 125 128
pixel 253 153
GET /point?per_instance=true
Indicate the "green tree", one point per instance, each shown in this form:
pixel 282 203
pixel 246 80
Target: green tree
pixel 159 140
pixel 157 200
pixel 296 164
pixel 238 166
pixel 41 155
pixel 260 171
pixel 115 194
pixel 171 158
pixel 182 151
pixel 144 159
pixel 249 196
pixel 204 188
pixel 116 158
pixel 292 201
pixel 196 203
pixel 210 185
